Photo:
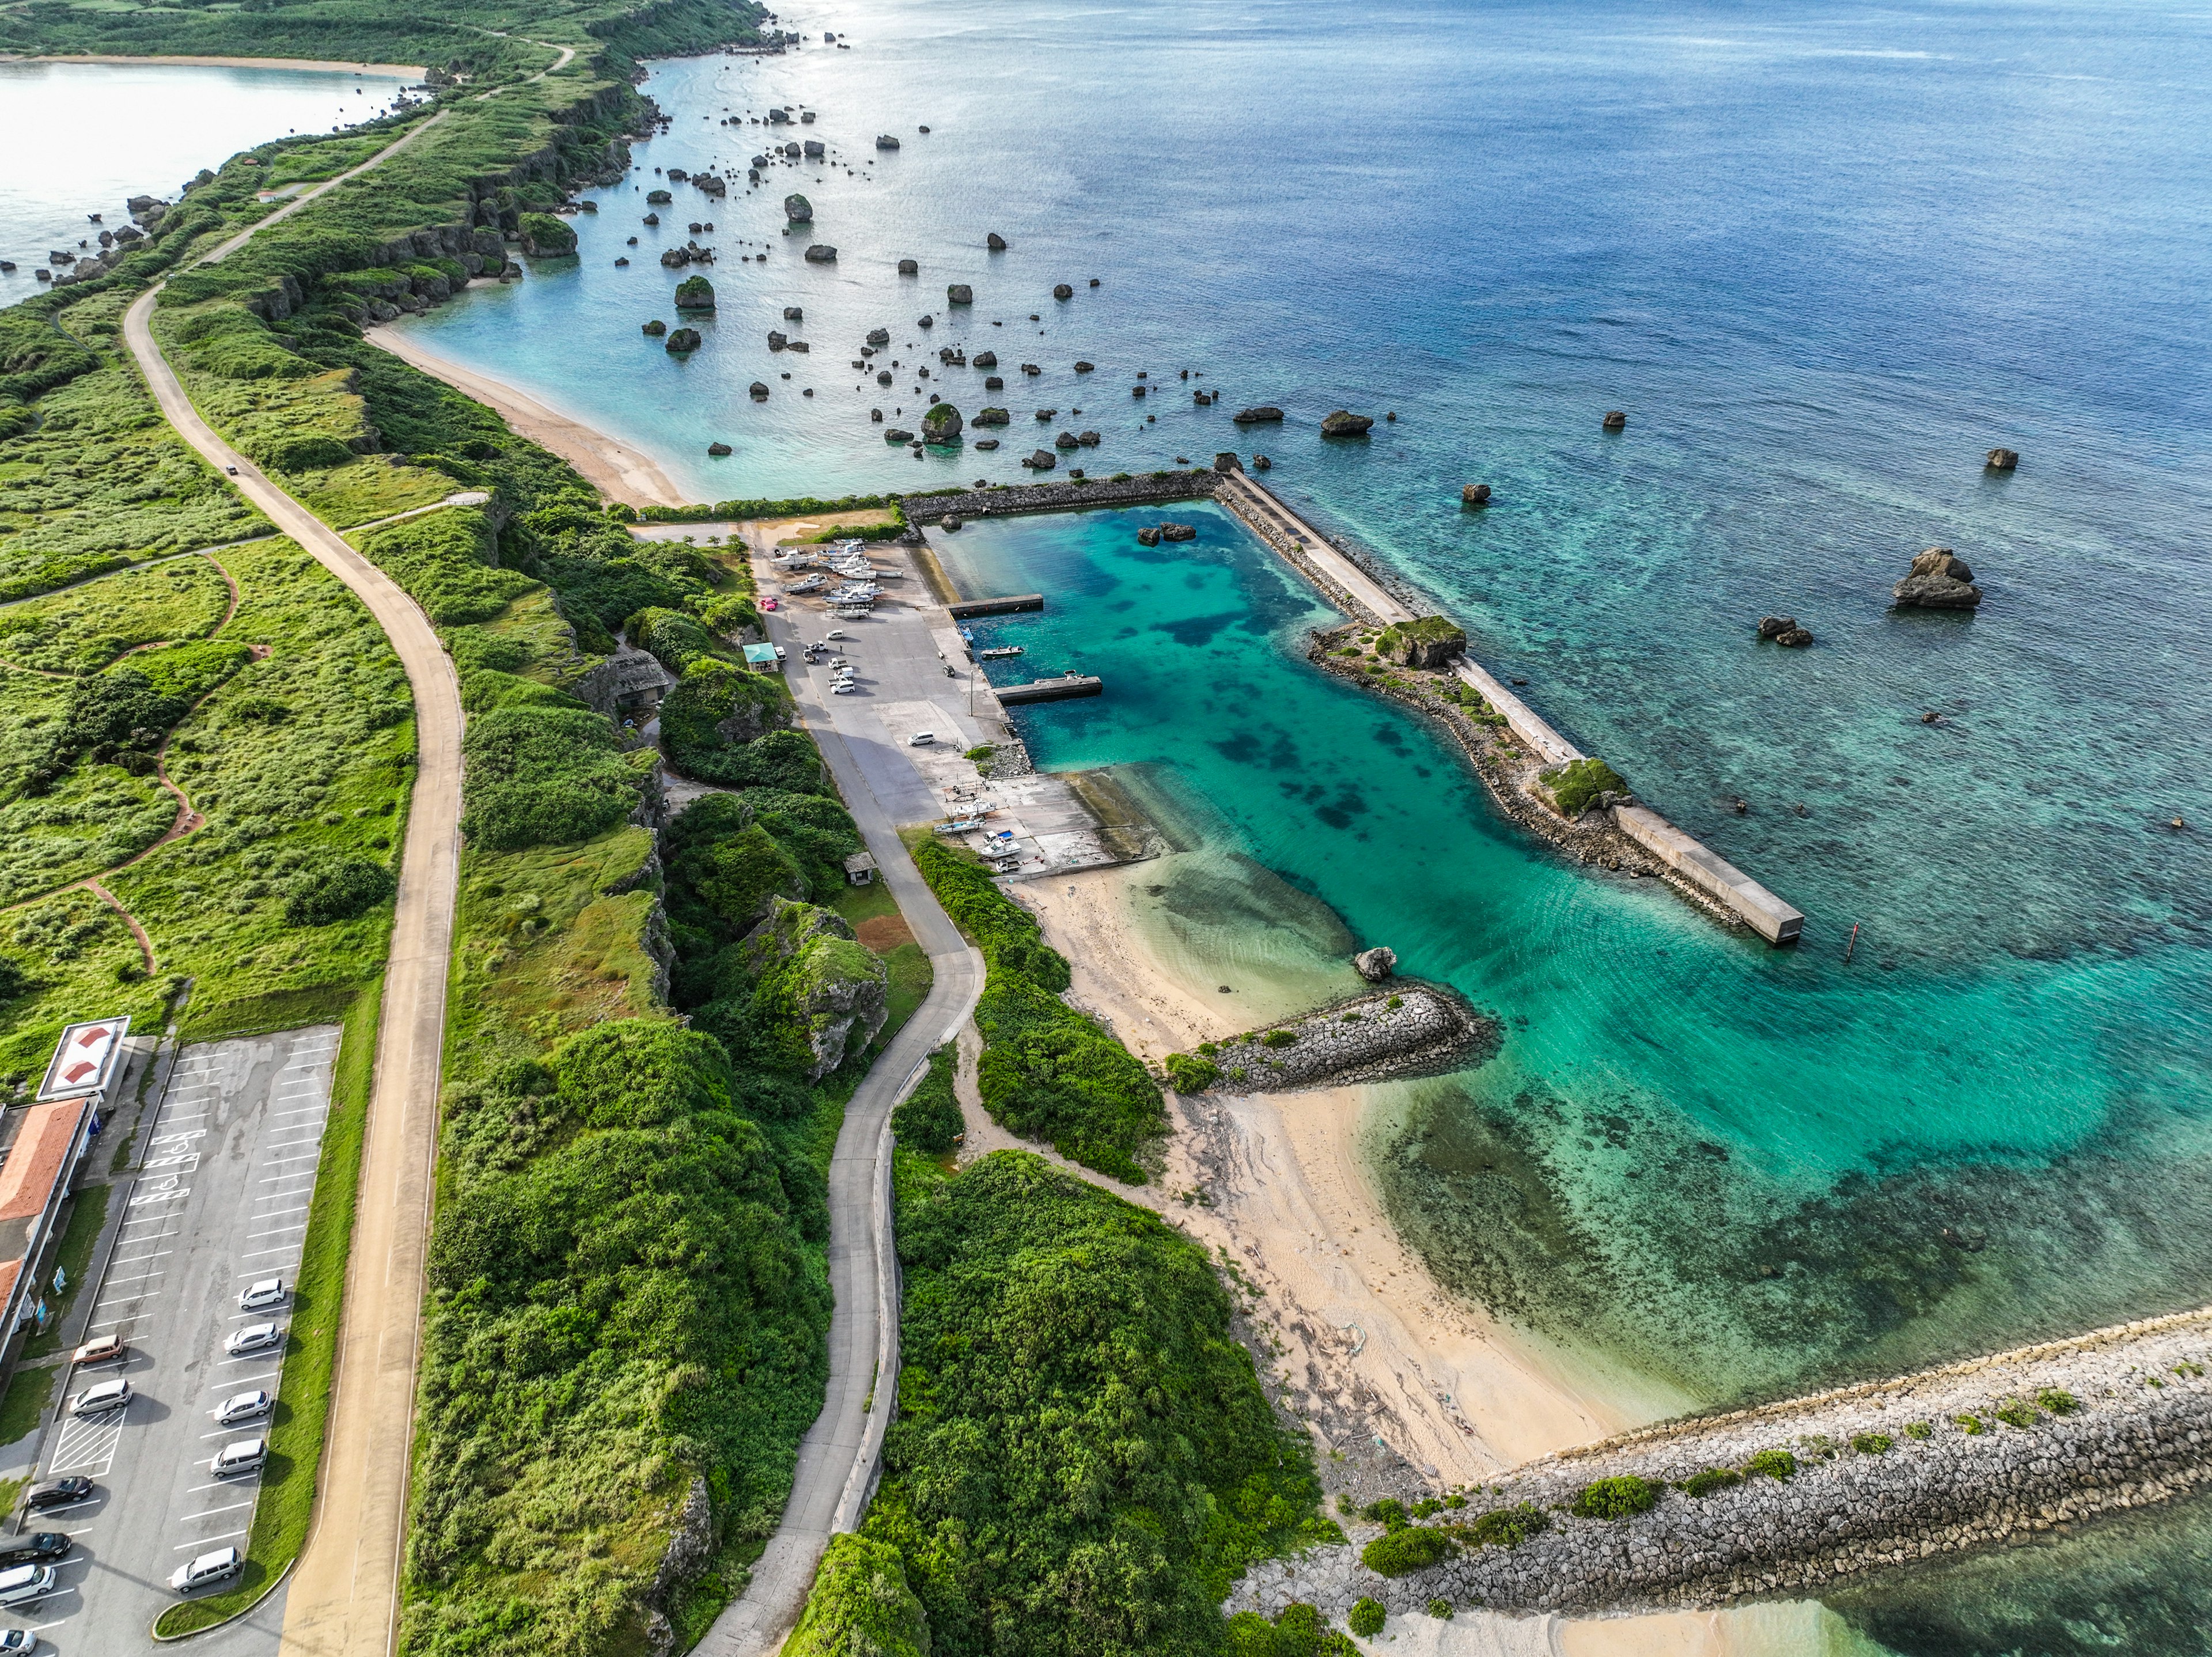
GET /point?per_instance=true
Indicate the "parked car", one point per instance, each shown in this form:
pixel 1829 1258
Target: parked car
pixel 26 1584
pixel 260 1296
pixel 39 1548
pixel 99 1399
pixel 206 1570
pixel 921 740
pixel 242 1406
pixel 254 1337
pixel 246 1456
pixel 56 1493
pixel 109 1349
pixel 18 1639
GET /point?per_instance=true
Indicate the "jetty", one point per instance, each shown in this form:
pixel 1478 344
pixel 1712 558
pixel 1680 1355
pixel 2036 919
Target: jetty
pixel 969 608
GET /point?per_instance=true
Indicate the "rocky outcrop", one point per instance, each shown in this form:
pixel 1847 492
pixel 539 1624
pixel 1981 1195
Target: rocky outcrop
pixel 995 242
pixel 822 253
pixel 1474 494
pixel 1042 460
pixel 690 1545
pixel 2002 460
pixel 718 448
pixel 1431 641
pixel 960 293
pixel 992 417
pixel 655 329
pixel 1342 422
pixel 1171 531
pixel 1375 964
pixel 1615 420
pixel 987 359
pixel 941 424
pixel 694 294
pixel 1416 1029
pixel 807 957
pixel 1784 631
pixel 1939 580
pixel 1062 290
pixel 910 267
pixel 885 141
pixel 683 341
pixel 757 391
pixel 1264 414
pixel 798 210
pixel 1226 461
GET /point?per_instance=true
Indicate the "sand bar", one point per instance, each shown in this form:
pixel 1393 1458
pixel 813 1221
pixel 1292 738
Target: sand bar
pixel 615 470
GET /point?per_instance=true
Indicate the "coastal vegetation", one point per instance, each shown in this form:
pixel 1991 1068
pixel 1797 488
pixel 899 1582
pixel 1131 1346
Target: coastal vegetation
pixel 1047 1071
pixel 928 1119
pixel 1575 786
pixel 1083 1459
pixel 1299 1631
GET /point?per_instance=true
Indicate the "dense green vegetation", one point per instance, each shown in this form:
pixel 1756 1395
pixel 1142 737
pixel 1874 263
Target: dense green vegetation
pixel 1575 786
pixel 1409 1548
pixel 860 1606
pixel 1621 1497
pixel 1083 1460
pixel 1300 1631
pixel 1047 1071
pixel 928 1119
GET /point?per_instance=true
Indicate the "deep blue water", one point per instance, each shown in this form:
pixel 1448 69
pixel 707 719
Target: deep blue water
pixel 1824 259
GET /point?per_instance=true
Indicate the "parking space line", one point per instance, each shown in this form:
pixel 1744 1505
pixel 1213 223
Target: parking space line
pixel 210 1513
pixel 287 1249
pixel 274 1213
pixel 226 1386
pixel 204 1540
pixel 274 1231
pixel 157 1255
pixel 273 1160
pixel 142 1275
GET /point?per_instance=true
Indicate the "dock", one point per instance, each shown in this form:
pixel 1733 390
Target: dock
pixel 969 608
pixel 1361 596
pixel 1067 688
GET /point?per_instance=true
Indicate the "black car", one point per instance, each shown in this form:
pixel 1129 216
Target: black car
pixel 57 1492
pixel 37 1548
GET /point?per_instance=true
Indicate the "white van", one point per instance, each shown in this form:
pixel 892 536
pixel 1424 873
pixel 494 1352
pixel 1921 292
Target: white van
pixel 204 1570
pixel 100 1400
pixel 25 1584
pixel 245 1456
pixel 921 740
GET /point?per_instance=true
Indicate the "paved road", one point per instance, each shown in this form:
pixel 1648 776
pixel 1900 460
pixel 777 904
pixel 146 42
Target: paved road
pixel 221 1201
pixel 343 1594
pixel 837 1458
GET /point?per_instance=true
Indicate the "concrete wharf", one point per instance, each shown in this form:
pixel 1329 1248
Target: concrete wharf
pixel 969 608
pixel 1067 688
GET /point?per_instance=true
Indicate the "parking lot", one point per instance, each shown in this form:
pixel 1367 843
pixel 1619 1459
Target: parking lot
pixel 220 1201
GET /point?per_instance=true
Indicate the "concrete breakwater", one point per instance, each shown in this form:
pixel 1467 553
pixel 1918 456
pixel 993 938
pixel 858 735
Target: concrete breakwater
pixel 1410 1029
pixel 1943 1461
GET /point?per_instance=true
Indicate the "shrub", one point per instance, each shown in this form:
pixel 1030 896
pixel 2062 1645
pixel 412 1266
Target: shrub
pixel 1775 1463
pixel 2061 1402
pixel 1619 1497
pixel 1969 1424
pixel 1918 1430
pixel 2017 1415
pixel 545 235
pixel 1188 1073
pixel 337 890
pixel 1367 1618
pixel 1573 786
pixel 1872 1443
pixel 928 1119
pixel 1005 932
pixel 670 637
pixel 715 712
pixel 1505 1527
pixel 1387 1511
pixel 860 1602
pixel 1441 1609
pixel 1713 1479
pixel 543 776
pixel 1415 1547
pixel 1279 1039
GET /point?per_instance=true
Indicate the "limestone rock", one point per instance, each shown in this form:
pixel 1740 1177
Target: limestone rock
pixel 1084 367
pixel 1065 440
pixel 1430 642
pixel 1149 536
pixel 656 328
pixel 718 448
pixel 798 210
pixel 948 522
pixel 1262 464
pixel 2002 460
pixel 941 424
pixel 879 336
pixel 1938 579
pixel 1614 421
pixel 1795 638
pixel 1043 460
pixel 1375 964
pixel 1343 424
pixel 897 434
pixel 658 197
pixel 1226 461
pixel 994 383
pixel 1178 532
pixel 987 359
pixel 821 254
pixel 1062 290
pixel 959 293
pixel 1088 439
pixel 1474 494
pixel 1773 627
pixel 683 340
pixel 808 959
pixel 992 417
pixel 1264 415
pixel 995 242
pixel 910 267
pixel 987 444
pixel 793 313
pixel 885 141
pixel 759 391
pixel 694 294
pixel 777 339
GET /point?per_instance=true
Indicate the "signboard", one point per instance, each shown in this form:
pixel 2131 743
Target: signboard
pixel 85 1060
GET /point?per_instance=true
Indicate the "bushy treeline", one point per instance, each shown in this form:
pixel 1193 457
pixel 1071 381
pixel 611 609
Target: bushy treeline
pixel 1047 1072
pixel 1083 1459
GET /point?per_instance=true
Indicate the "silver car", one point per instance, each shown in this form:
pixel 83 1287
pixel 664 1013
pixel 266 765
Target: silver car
pixel 243 1406
pixel 260 1296
pixel 100 1400
pixel 206 1570
pixel 254 1337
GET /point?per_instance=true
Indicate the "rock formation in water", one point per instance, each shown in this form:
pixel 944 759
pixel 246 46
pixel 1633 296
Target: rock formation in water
pixel 798 210
pixel 683 340
pixel 1062 290
pixel 987 359
pixel 959 293
pixel 656 328
pixel 1783 630
pixel 1342 422
pixel 1474 494
pixel 1042 460
pixel 694 294
pixel 941 424
pixel 1375 964
pixel 1263 415
pixel 995 242
pixel 2002 460
pixel 992 417
pixel 1429 641
pixel 1939 580
pixel 718 448
pixel 1614 421
pixel 1226 461
pixel 821 254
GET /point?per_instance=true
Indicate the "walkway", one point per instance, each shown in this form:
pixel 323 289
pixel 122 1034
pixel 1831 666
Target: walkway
pixel 343 1593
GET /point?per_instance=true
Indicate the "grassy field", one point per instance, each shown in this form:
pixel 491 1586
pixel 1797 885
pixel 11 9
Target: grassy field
pixel 286 1502
pixel 82 628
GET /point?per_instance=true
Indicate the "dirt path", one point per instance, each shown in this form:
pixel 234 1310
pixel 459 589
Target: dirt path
pixel 342 1595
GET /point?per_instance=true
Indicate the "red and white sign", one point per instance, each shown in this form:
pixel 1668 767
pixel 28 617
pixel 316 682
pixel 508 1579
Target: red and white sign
pixel 86 1060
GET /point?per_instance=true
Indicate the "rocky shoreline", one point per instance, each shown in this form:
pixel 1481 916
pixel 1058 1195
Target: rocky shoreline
pixel 1992 1449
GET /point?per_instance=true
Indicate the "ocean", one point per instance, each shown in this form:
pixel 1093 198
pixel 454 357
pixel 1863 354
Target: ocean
pixel 1823 261
pixel 83 138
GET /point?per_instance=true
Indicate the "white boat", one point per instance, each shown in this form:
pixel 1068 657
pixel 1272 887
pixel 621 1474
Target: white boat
pixel 998 652
pixel 807 584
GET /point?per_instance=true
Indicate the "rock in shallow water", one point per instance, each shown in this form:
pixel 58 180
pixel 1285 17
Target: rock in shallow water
pixel 1344 424
pixel 1939 580
pixel 1375 964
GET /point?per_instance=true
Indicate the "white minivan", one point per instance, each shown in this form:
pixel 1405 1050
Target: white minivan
pixel 244 1456
pixel 26 1584
pixel 206 1570
pixel 100 1400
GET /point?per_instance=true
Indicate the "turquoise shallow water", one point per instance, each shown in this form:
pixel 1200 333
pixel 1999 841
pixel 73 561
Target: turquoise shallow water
pixel 1824 260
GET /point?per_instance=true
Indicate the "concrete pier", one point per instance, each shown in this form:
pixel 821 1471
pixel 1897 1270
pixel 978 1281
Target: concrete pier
pixel 1351 589
pixel 969 608
pixel 1065 688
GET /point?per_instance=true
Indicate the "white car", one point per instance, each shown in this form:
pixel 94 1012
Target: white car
pixel 843 687
pixel 26 1584
pixel 781 654
pixel 260 1296
pixel 254 1337
pixel 246 1456
pixel 204 1570
pixel 98 1400
pixel 921 740
pixel 18 1639
pixel 243 1406
pixel 835 633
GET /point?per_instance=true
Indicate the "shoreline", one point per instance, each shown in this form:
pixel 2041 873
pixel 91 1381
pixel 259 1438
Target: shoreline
pixel 404 71
pixel 616 470
pixel 1369 1348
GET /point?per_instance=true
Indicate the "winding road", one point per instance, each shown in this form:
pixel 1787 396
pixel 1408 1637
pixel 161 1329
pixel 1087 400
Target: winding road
pixel 344 1592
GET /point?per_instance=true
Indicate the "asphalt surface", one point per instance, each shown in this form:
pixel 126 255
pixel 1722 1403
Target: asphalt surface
pixel 220 1201
pixel 836 1458
pixel 343 1593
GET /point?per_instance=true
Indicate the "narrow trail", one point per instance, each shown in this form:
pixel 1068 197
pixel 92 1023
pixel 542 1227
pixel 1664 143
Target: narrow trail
pixel 342 1596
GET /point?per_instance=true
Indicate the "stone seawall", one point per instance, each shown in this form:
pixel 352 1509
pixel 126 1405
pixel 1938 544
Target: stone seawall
pixel 1886 1472
pixel 925 510
pixel 1409 1030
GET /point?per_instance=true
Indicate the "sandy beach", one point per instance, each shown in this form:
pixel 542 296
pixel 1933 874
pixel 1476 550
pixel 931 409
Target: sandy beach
pixel 615 470
pixel 1370 1347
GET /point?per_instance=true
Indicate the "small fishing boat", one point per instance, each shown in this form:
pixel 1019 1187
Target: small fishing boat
pixel 999 651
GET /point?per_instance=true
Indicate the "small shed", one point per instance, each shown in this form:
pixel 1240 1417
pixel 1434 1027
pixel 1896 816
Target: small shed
pixel 861 869
pixel 762 658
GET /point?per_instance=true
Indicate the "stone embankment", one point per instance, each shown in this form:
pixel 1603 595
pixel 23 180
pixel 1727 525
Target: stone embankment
pixel 1059 497
pixel 1993 1450
pixel 1410 1029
